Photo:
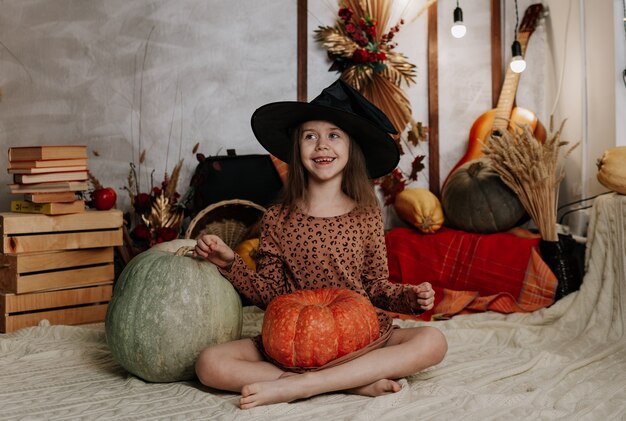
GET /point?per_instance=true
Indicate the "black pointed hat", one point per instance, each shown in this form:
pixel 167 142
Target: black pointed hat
pixel 342 105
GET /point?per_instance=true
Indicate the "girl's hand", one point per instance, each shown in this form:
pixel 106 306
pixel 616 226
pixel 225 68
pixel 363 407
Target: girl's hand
pixel 212 248
pixel 422 294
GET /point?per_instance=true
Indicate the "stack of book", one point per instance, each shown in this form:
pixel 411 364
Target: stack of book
pixel 48 177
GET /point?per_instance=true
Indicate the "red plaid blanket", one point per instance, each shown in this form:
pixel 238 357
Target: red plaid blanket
pixel 500 272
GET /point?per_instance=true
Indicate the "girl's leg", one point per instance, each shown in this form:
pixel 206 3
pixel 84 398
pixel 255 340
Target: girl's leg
pixel 407 352
pixel 232 365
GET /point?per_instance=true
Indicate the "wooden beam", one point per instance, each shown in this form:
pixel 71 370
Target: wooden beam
pixel 496 51
pixel 433 102
pixel 302 50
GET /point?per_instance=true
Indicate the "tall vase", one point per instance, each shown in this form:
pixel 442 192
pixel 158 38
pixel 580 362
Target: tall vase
pixel 560 259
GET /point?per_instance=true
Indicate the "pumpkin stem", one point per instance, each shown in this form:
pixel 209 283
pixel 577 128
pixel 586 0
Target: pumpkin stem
pixel 184 250
pixel 426 224
pixel 475 168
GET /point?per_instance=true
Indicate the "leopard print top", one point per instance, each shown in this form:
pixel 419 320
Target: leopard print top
pixel 298 251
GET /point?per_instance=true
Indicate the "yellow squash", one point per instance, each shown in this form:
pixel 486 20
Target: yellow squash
pixel 420 208
pixel 247 250
pixel 612 169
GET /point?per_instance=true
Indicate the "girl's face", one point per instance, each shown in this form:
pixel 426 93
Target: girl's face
pixel 324 149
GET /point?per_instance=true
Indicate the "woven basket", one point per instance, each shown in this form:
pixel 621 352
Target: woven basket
pixel 231 220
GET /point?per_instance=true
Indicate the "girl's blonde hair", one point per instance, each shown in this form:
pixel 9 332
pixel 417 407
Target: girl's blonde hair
pixel 355 181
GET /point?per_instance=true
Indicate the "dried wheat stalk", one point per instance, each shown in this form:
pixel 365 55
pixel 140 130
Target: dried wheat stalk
pixel 170 189
pixel 94 180
pixel 531 169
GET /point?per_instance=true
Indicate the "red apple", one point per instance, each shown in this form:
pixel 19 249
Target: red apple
pixel 104 198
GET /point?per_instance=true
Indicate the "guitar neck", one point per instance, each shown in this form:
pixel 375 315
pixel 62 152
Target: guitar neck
pixel 509 90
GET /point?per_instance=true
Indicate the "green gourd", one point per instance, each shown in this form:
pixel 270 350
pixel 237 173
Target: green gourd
pixel 165 309
pixel 475 199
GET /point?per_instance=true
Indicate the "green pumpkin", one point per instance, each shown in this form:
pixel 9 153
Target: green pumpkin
pixel 475 199
pixel 165 309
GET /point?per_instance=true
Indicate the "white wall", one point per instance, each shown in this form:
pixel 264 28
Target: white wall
pixel 126 75
pixel 71 71
pixel 600 104
pixel 464 77
pixel 620 67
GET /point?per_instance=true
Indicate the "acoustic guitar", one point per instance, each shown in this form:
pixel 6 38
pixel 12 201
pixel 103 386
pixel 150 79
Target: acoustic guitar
pixel 505 116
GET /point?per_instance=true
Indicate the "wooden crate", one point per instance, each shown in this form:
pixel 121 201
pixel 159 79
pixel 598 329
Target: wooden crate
pixel 69 307
pixel 58 268
pixel 31 232
pixel 31 272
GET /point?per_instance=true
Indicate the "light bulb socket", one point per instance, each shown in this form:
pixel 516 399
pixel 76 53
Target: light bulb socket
pixel 458 15
pixel 516 49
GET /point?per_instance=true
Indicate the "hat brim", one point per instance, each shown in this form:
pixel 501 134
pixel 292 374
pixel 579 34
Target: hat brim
pixel 272 123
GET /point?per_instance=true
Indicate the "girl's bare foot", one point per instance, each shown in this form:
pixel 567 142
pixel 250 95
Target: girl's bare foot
pixel 290 387
pixel 287 388
pixel 379 387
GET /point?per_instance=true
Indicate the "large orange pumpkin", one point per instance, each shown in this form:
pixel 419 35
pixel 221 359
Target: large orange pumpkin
pixel 310 328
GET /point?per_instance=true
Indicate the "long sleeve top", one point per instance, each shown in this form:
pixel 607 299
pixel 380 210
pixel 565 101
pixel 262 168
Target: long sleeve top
pixel 298 251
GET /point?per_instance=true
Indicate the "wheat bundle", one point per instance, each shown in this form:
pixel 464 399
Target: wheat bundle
pixel 531 169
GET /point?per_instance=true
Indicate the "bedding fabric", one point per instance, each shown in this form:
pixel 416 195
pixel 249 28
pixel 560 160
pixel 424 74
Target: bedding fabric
pixel 470 272
pixel 566 361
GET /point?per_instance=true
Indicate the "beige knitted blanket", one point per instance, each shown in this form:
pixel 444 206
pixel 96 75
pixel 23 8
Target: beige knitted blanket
pixel 567 361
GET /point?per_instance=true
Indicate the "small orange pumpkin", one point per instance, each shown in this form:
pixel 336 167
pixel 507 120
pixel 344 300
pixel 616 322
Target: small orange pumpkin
pixel 310 328
pixel 247 249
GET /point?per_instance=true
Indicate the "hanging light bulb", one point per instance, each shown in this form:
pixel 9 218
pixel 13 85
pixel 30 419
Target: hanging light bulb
pixel 518 64
pixel 458 29
pixel 517 59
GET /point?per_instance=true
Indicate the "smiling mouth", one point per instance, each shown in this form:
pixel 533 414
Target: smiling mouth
pixel 325 160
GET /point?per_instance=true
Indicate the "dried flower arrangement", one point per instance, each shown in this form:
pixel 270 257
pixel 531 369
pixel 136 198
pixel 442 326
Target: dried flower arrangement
pixel 355 46
pixel 367 59
pixel 157 215
pixel 531 169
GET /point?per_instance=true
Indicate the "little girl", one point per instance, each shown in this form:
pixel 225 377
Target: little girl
pixel 328 232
